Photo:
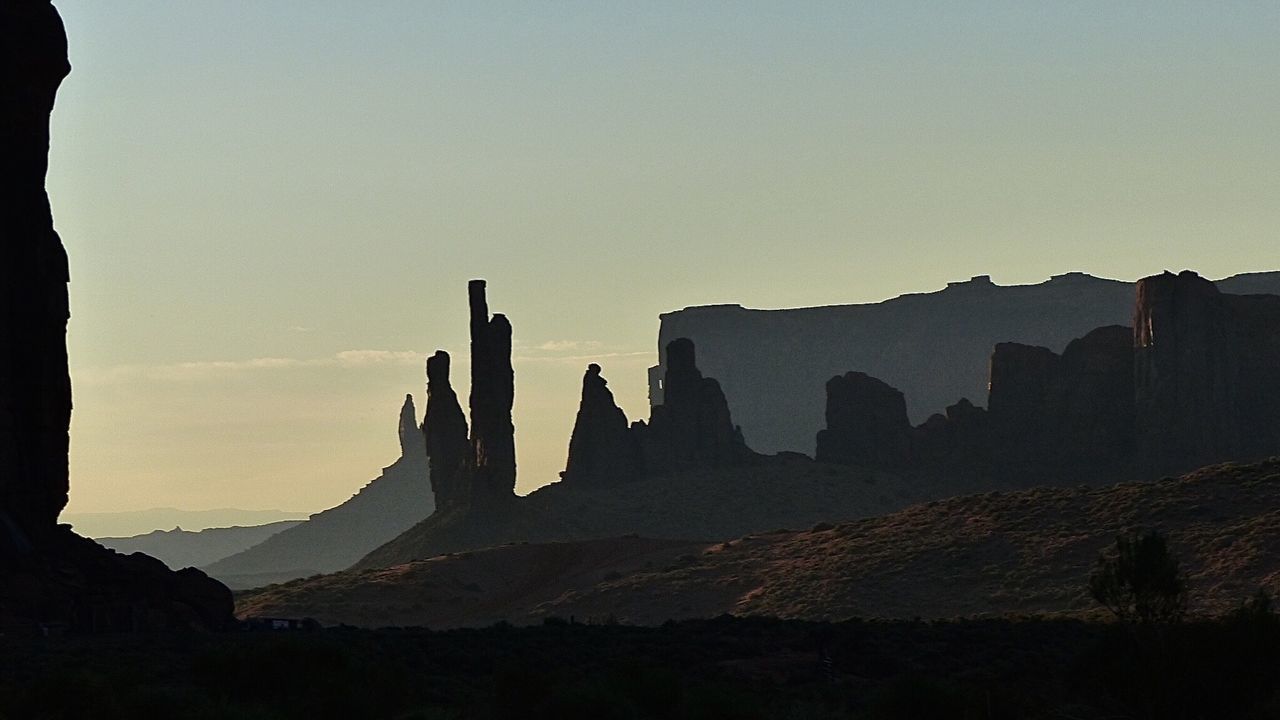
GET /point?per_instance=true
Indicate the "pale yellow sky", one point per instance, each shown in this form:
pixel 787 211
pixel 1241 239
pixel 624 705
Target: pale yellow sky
pixel 272 208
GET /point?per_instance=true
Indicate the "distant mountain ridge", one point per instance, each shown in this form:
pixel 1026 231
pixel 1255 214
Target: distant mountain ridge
pixel 934 347
pixel 129 523
pixel 180 548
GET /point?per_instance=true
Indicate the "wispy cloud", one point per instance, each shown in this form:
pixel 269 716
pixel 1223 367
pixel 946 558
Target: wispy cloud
pixel 570 352
pixel 569 345
pixel 205 369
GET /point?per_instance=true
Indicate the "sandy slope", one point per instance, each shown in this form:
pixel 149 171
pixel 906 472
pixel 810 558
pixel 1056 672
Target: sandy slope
pixel 1022 552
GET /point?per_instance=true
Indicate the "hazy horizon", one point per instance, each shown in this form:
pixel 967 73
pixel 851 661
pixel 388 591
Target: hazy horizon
pixel 272 210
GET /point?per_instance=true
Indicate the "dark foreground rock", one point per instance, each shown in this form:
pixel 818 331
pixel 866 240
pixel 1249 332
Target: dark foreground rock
pixel 50 577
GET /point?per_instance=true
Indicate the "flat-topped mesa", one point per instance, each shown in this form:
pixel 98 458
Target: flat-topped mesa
pixel 692 428
pixel 602 449
pixel 867 424
pixel 1207 374
pixel 492 398
pixel 35 387
pixel 444 429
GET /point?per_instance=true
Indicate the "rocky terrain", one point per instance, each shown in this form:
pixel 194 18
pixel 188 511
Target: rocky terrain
pixel 1022 552
pixel 934 347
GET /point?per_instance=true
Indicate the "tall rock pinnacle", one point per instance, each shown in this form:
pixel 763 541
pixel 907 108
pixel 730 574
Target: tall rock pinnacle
pixel 445 429
pixel 492 398
pixel 35 387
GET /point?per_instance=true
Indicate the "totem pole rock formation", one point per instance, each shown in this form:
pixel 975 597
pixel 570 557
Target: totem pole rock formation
pixel 1207 373
pixel 492 398
pixel 49 575
pixel 480 470
pixel 445 429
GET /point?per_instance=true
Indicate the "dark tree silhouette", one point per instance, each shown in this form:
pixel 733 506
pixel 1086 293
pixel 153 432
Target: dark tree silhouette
pixel 1139 580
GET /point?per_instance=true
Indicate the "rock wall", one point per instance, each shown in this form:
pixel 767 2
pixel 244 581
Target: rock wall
pixel 1207 374
pixel 1195 382
pixel 1051 418
pixel 35 387
pixel 934 346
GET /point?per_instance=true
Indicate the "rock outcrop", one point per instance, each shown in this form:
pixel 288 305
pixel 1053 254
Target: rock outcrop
pixel 1196 382
pixel 1051 418
pixel 493 461
pixel 692 428
pixel 50 576
pixel 933 346
pixel 867 424
pixel 1058 417
pixel 602 448
pixel 1207 374
pixel 445 429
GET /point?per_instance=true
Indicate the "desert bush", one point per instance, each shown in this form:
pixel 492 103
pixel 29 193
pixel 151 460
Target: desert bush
pixel 1139 580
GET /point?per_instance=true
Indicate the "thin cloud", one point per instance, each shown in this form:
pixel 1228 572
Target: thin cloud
pixel 204 369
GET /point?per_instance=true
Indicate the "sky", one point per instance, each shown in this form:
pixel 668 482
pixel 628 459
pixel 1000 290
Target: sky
pixel 272 208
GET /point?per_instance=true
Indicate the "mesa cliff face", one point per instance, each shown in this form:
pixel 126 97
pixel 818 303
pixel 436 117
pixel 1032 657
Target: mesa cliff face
pixel 1207 370
pixel 934 347
pixel 1195 383
pixel 49 575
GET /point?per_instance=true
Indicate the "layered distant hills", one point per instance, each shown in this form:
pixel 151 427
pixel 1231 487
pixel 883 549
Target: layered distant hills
pixel 934 347
pixel 180 548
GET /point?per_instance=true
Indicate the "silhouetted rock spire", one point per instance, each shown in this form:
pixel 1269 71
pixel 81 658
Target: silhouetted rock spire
pixel 602 448
pixel 492 398
pixel 410 436
pixel 445 429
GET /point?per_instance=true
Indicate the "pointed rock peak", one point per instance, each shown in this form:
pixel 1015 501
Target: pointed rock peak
pixel 409 436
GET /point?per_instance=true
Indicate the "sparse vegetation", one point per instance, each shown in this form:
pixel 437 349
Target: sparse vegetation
pixel 1140 581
